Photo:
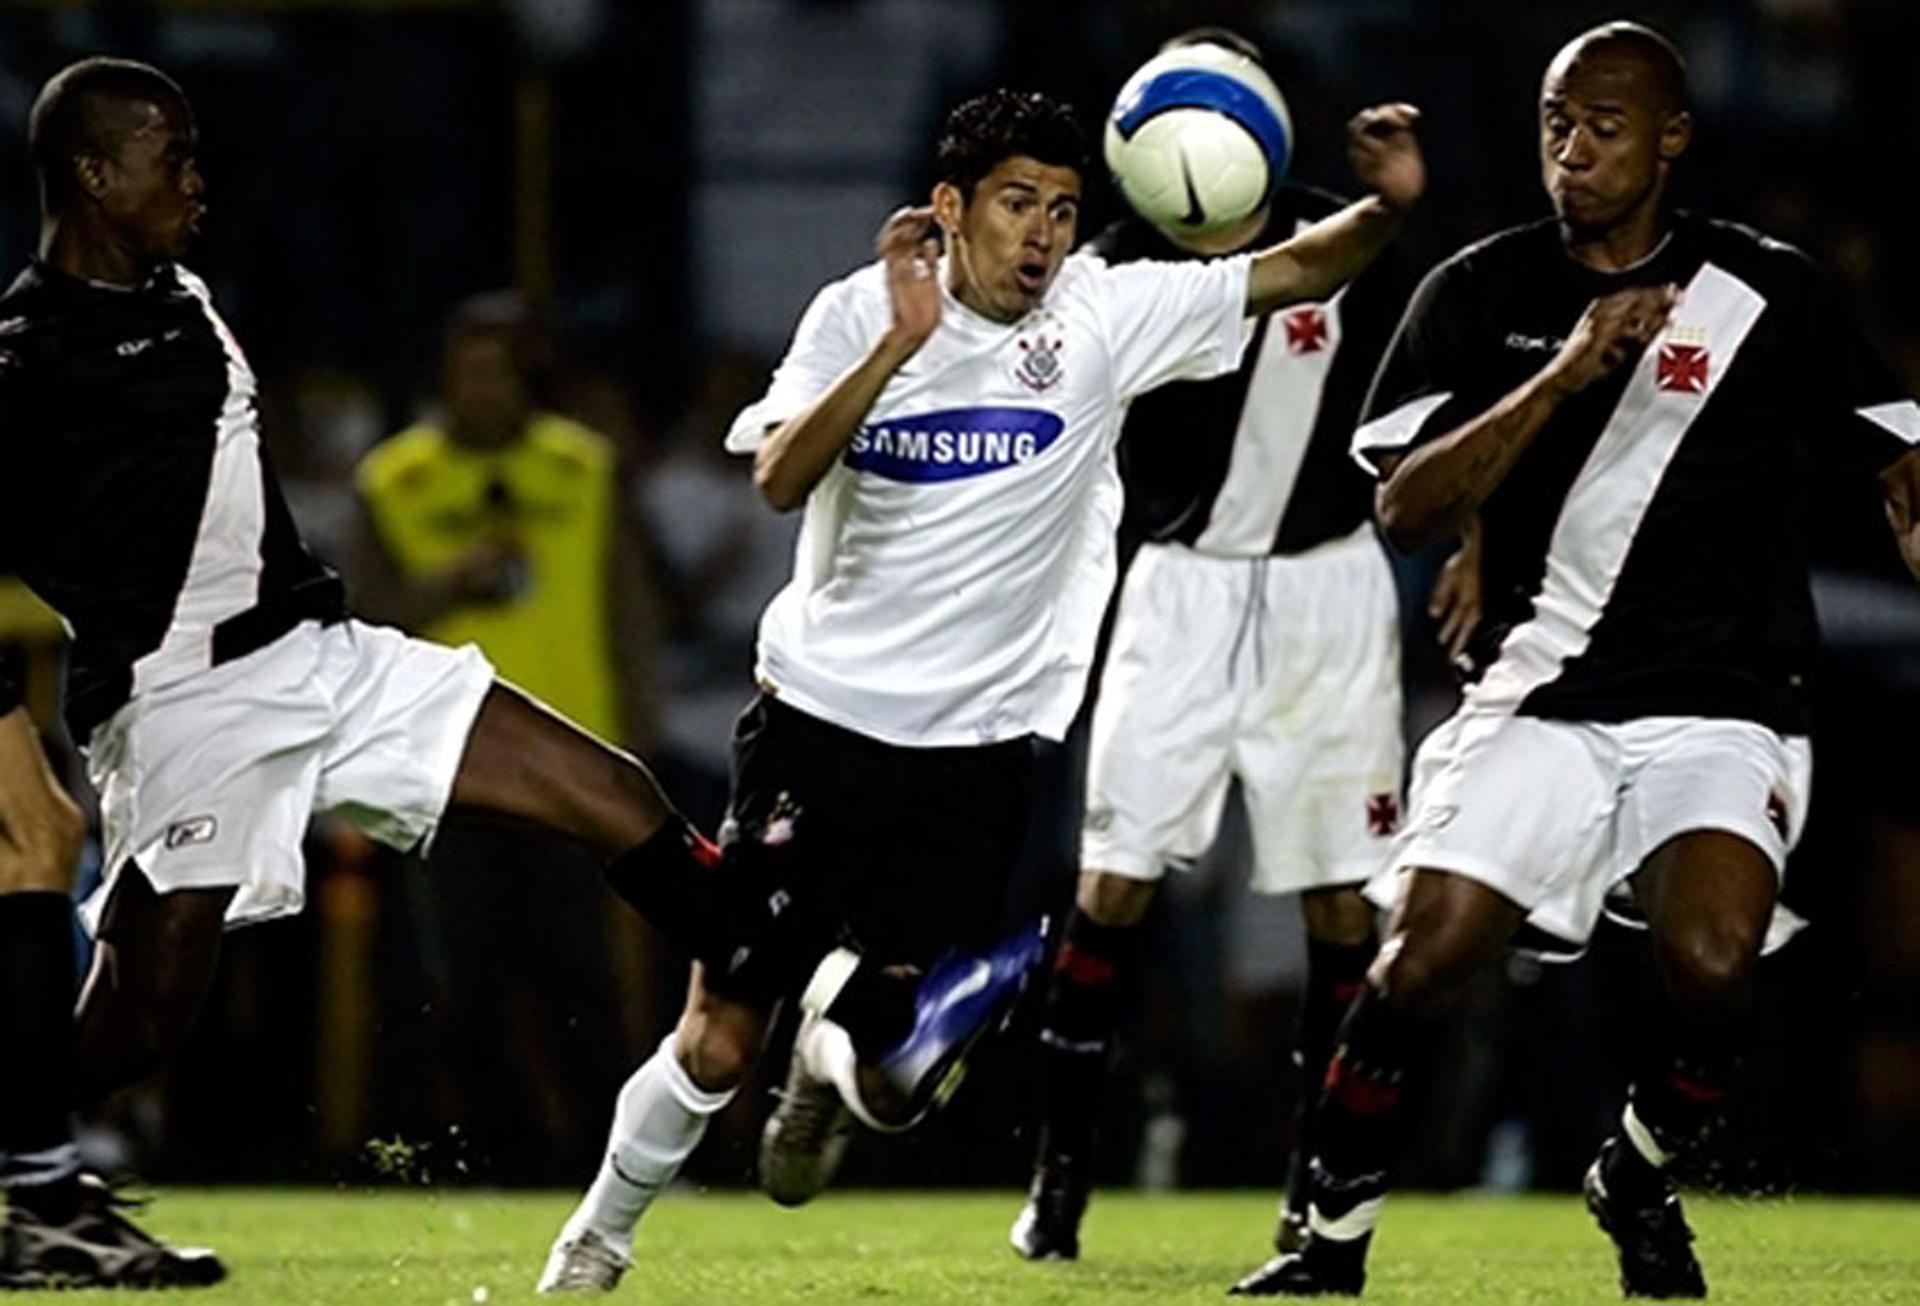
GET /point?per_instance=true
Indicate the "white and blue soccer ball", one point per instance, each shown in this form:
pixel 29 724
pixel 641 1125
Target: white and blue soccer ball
pixel 1198 139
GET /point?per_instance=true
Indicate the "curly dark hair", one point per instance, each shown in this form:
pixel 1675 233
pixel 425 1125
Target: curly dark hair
pixel 989 128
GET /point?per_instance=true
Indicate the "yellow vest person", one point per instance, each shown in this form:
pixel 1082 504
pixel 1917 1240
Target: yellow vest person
pixel 500 524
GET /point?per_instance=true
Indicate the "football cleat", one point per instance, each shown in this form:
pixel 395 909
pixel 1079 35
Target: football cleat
pixel 963 999
pixel 1321 1268
pixel 1048 1226
pixel 806 1137
pixel 89 1243
pixel 583 1262
pixel 1654 1242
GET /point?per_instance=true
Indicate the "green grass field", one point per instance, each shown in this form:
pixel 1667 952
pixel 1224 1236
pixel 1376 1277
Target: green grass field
pixel 457 1248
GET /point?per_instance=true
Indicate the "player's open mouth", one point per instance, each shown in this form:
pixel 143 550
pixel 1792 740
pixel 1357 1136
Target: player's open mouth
pixel 1032 277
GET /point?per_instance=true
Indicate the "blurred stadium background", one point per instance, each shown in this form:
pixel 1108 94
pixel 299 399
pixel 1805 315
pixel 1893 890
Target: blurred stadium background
pixel 665 183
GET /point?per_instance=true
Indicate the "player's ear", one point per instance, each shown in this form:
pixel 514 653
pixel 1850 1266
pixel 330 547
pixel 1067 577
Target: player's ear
pixel 1675 134
pixel 948 205
pixel 90 175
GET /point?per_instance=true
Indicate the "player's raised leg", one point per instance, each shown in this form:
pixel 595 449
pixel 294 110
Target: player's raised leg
pixel 1708 896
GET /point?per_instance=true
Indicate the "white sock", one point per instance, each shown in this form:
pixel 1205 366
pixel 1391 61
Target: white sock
pixel 657 1122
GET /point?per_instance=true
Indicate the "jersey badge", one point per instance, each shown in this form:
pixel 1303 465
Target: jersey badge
pixel 1683 361
pixel 1039 368
pixel 1306 330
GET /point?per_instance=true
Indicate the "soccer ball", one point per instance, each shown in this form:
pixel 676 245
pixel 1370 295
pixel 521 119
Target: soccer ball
pixel 1198 139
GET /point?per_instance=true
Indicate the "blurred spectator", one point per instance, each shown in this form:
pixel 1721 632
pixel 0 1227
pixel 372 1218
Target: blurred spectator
pixel 724 555
pixel 496 521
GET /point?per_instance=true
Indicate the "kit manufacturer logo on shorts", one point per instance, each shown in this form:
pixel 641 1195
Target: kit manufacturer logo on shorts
pixel 953 444
pixel 193 830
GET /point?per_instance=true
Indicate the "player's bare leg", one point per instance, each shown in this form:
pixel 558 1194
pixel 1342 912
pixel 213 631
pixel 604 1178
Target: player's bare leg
pixel 153 963
pixel 525 762
pixel 659 1118
pixel 1708 897
pixel 1443 930
pixel 1080 1014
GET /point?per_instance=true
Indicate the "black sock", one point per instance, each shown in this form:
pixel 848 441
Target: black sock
pixel 1362 1120
pixel 1680 1105
pixel 36 1035
pixel 876 1010
pixel 668 878
pixel 1076 1035
pixel 1336 973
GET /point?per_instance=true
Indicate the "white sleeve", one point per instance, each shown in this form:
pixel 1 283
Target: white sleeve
pixel 826 343
pixel 1182 321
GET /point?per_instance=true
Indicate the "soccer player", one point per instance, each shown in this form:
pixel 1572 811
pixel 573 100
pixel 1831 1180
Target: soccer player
pixel 1622 393
pixel 60 1230
pixel 1256 636
pixel 221 690
pixel 948 423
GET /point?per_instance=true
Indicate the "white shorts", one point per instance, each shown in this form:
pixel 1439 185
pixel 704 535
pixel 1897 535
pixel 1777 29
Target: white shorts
pixel 1284 672
pixel 209 782
pixel 1555 814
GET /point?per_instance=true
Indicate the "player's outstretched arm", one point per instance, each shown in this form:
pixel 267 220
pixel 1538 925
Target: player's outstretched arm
pixel 1901 484
pixel 1433 490
pixel 798 452
pixel 1312 265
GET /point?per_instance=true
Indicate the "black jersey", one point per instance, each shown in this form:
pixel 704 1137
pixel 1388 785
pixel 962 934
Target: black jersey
pixel 1255 462
pixel 140 504
pixel 1644 555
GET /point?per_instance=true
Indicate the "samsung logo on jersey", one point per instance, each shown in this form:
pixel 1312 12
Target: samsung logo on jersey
pixel 952 445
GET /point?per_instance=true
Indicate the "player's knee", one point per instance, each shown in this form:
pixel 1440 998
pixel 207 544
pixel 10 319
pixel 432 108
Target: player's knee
pixel 1337 915
pixel 1413 976
pixel 1711 959
pixel 1113 900
pixel 718 1046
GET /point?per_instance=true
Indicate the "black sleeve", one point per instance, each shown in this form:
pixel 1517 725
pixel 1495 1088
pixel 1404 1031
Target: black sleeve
pixel 1426 384
pixel 1861 416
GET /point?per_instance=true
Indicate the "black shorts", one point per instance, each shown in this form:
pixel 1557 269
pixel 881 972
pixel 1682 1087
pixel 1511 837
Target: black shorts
pixel 902 853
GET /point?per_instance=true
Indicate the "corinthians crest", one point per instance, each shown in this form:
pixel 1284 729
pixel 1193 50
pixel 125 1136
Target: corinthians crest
pixel 1039 367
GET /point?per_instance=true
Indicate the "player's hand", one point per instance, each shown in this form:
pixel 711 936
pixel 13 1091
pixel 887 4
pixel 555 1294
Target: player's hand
pixel 1385 154
pixel 911 252
pixel 1614 328
pixel 1901 483
pixel 1455 601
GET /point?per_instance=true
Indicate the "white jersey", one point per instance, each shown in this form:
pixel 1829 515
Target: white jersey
pixel 954 563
